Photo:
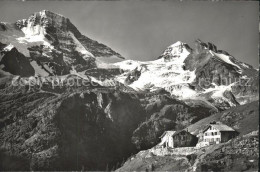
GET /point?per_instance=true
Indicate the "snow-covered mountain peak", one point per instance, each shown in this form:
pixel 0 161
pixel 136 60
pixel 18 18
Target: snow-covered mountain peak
pixel 178 43
pixel 204 72
pixel 53 44
pixel 176 52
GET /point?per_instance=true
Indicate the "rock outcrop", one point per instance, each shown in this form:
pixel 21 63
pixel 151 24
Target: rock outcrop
pixel 14 62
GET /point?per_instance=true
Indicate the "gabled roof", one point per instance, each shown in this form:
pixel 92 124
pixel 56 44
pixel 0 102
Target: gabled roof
pixel 173 133
pixel 169 133
pixel 177 132
pixel 220 127
pixel 180 131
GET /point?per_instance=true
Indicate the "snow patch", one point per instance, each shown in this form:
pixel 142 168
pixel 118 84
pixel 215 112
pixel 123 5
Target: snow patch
pixel 218 90
pixel 218 93
pixel 80 48
pixel 128 64
pixel 225 58
pixel 34 34
pixel 39 71
pixel 8 47
pixel 244 65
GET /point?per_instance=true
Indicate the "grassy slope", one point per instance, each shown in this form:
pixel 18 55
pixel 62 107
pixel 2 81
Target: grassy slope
pixel 244 119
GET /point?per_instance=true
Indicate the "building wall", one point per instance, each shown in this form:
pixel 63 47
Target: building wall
pixel 167 141
pixel 184 139
pixel 227 135
pixel 164 140
pixel 212 135
pixel 171 143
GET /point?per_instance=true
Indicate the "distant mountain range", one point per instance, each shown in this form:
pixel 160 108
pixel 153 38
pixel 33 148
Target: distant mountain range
pixel 124 108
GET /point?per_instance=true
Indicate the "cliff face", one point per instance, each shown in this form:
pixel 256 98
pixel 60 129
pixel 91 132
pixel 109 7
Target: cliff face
pixel 15 62
pixel 215 67
pixel 90 130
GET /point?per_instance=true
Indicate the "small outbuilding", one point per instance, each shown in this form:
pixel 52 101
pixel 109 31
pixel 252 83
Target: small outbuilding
pixel 181 138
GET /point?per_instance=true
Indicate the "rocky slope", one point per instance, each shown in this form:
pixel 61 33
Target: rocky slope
pixel 83 128
pixel 53 45
pixel 244 119
pixel 241 154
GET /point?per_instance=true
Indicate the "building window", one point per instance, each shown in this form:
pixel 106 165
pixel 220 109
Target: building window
pixel 205 134
pixel 212 133
pixel 216 133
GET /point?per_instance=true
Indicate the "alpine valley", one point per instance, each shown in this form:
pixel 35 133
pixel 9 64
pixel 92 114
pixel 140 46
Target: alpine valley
pixel 47 122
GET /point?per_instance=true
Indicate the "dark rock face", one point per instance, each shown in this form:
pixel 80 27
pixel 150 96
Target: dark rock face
pixel 51 60
pixel 72 131
pixel 2 27
pixel 210 70
pixel 16 63
pixel 103 74
pixel 215 72
pixel 132 76
pixel 247 90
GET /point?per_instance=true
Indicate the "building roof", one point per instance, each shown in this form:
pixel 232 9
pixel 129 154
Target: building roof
pixel 169 133
pixel 220 127
pixel 174 133
pixel 180 131
pixel 177 132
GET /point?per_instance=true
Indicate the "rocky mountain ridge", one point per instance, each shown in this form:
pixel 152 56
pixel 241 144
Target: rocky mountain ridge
pixel 201 73
pixel 53 45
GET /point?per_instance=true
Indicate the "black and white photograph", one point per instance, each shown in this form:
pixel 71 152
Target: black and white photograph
pixel 120 85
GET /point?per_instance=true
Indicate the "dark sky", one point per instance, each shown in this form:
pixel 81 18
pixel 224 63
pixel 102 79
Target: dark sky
pixel 143 29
